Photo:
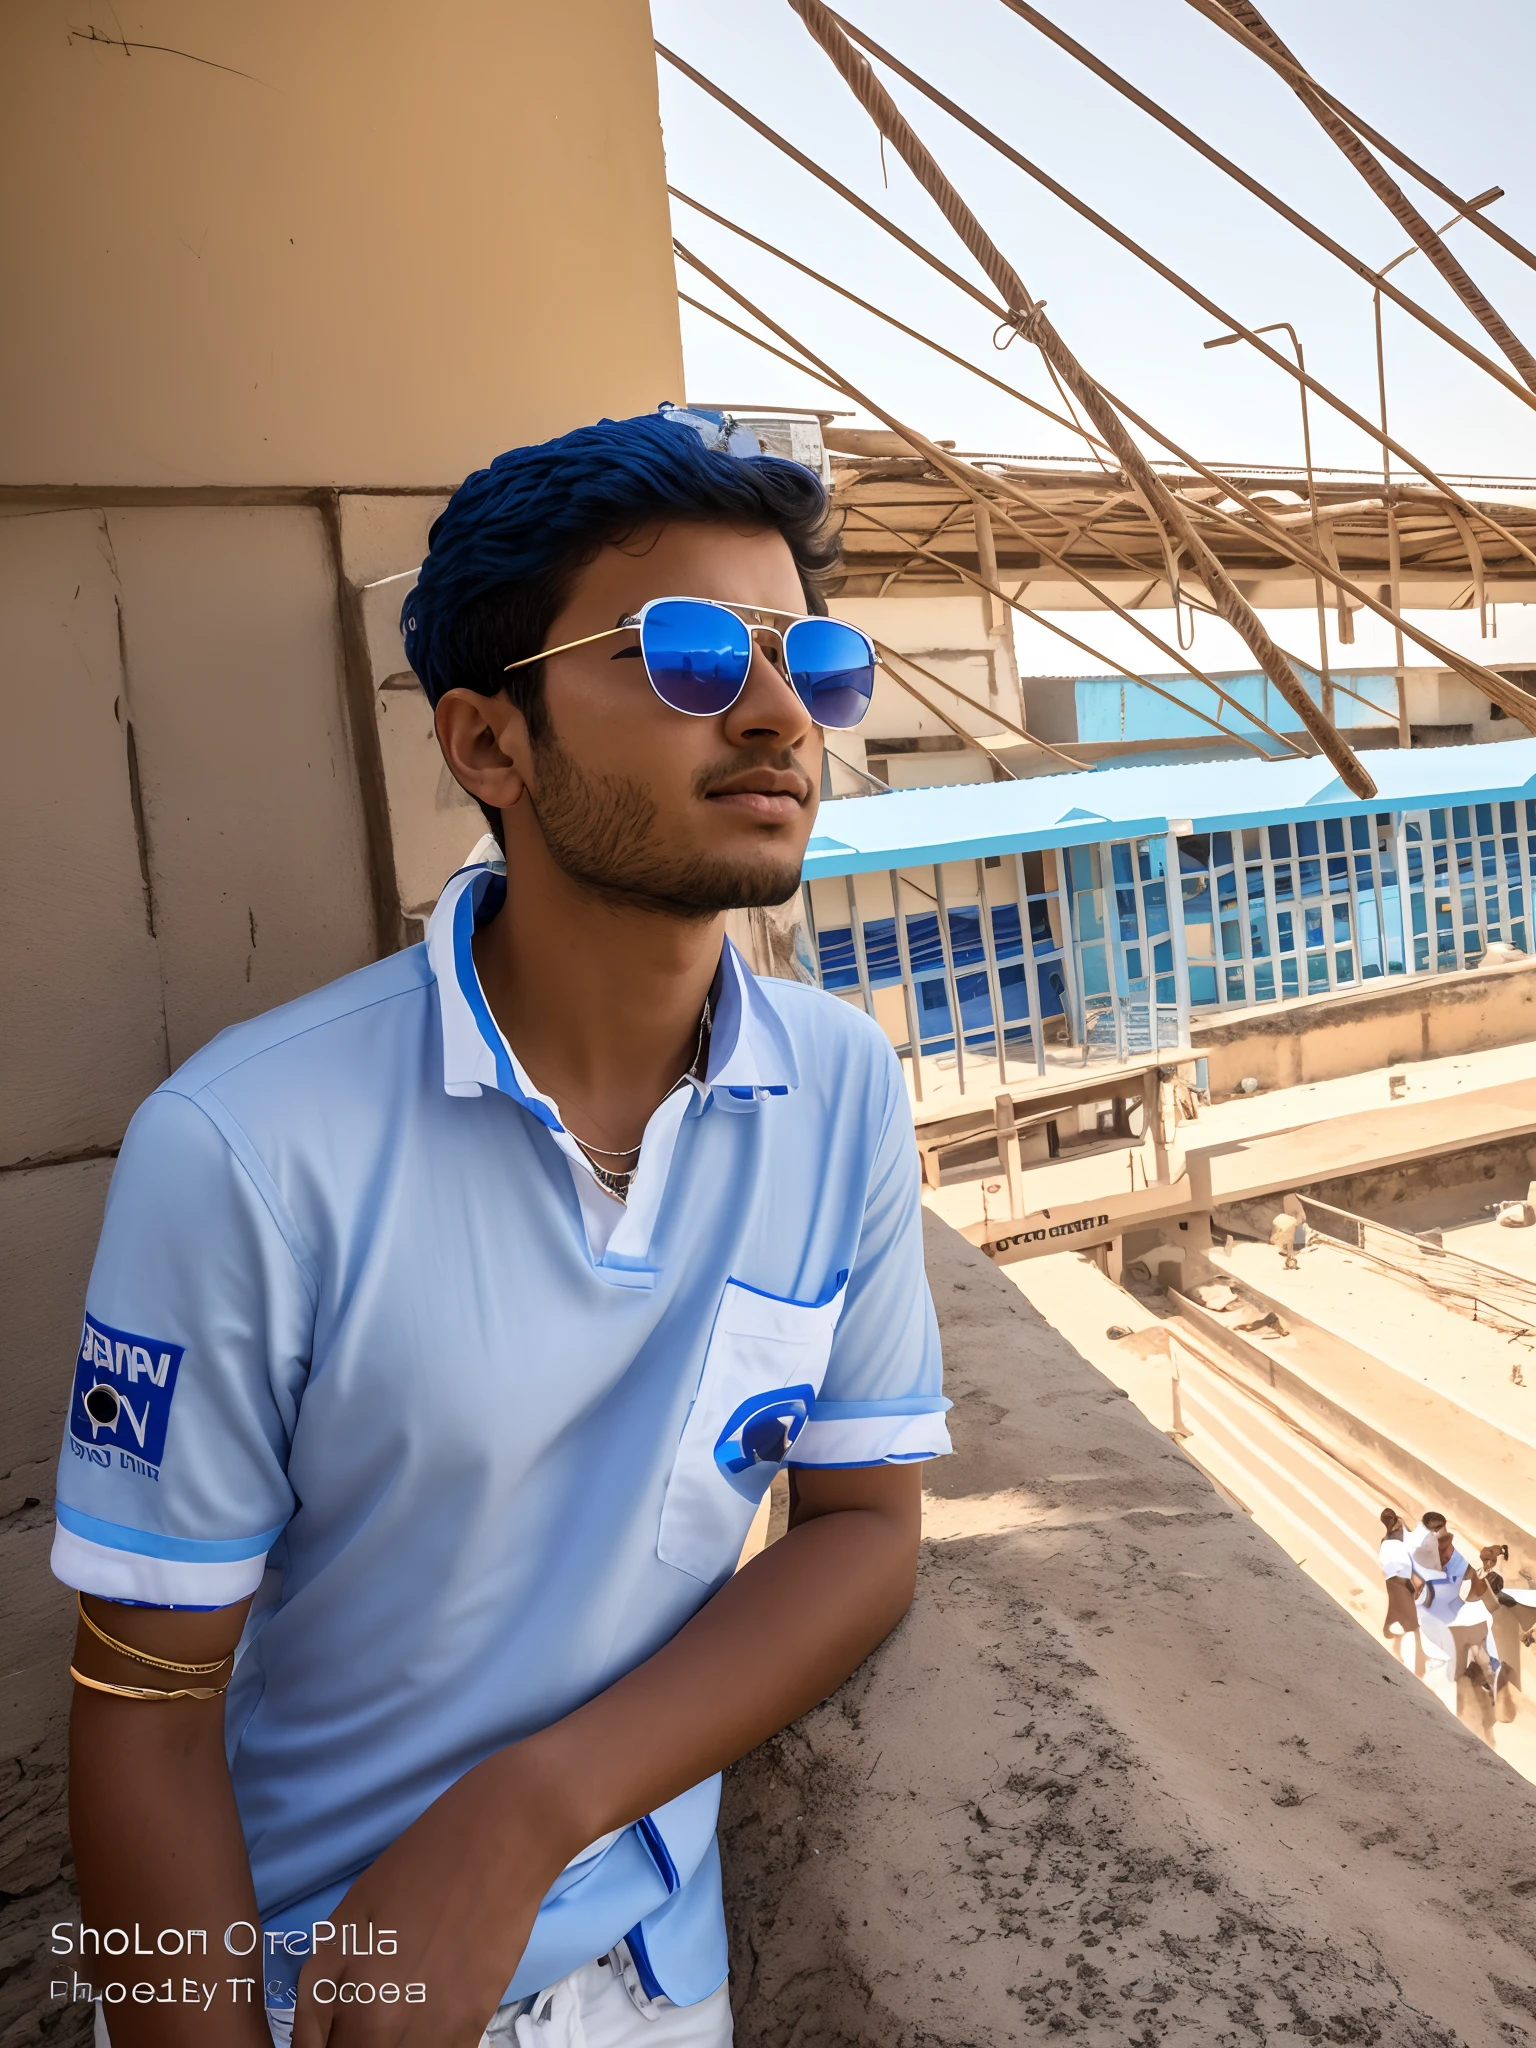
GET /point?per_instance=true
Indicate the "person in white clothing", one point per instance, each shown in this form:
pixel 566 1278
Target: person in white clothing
pixel 1457 1629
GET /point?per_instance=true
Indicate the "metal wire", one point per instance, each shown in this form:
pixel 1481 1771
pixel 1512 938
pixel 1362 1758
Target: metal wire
pixel 974 483
pixel 1033 325
pixel 1260 191
pixel 1340 405
pixel 1280 59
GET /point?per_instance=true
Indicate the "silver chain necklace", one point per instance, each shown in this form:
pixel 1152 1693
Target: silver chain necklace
pixel 616 1180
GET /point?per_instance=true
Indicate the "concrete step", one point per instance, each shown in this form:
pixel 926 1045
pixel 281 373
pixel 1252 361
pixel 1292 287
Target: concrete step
pixel 1414 1439
pixel 1321 1515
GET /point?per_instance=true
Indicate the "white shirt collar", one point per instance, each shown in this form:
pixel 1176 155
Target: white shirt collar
pixel 750 1055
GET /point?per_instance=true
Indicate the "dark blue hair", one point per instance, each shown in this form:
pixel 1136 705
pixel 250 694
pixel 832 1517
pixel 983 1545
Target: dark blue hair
pixel 505 550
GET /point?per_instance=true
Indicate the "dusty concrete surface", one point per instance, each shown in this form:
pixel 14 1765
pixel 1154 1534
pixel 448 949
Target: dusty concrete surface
pixel 1123 1776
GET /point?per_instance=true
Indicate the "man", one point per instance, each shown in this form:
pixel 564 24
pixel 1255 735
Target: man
pixel 1456 1629
pixel 448 1325
pixel 1425 1541
pixel 1397 1566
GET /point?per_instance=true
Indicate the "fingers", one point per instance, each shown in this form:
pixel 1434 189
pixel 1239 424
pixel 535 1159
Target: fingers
pixel 311 2025
pixel 311 2021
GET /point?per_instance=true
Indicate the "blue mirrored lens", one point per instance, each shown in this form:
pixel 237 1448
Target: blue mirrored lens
pixel 832 666
pixel 696 654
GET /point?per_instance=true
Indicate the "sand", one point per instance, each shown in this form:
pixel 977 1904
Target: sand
pixel 1124 1776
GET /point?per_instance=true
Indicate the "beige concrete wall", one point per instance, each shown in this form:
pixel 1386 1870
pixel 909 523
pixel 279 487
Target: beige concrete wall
pixel 1407 1020
pixel 949 637
pixel 349 244
pixel 432 824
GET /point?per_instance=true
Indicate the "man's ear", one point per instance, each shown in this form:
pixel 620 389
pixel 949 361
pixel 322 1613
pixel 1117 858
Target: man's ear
pixel 485 744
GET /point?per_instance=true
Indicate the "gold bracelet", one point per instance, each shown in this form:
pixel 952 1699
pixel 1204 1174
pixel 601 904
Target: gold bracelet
pixel 143 1656
pixel 150 1692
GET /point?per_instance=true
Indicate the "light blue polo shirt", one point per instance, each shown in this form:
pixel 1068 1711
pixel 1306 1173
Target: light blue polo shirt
pixel 364 1338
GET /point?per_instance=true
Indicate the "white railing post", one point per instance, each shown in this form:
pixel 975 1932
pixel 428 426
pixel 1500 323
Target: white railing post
pixel 950 983
pixel 860 959
pixel 908 987
pixel 1072 1003
pixel 1175 888
pixel 994 980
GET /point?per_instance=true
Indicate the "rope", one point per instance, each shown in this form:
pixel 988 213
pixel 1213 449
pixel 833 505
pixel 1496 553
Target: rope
pixel 1283 362
pixel 1209 305
pixel 1233 607
pixel 1291 71
pixel 889 654
pixel 826 178
pixel 891 123
pixel 975 484
pixel 939 712
pixel 1488 681
pixel 864 305
pixel 1491 684
pixel 986 377
pixel 1381 182
pixel 1177 656
pixel 1288 213
pixel 746 333
pixel 1513 701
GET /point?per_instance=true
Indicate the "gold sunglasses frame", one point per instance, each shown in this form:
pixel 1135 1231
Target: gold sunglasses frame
pixel 633 623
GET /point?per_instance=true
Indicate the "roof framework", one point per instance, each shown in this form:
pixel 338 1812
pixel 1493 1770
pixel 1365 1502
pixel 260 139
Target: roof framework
pixel 1106 532
pixel 1224 541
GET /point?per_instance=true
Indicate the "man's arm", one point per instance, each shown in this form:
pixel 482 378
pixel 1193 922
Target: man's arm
pixel 156 1836
pixel 463 1885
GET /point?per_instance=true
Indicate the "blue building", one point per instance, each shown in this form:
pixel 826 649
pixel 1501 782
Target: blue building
pixel 1106 909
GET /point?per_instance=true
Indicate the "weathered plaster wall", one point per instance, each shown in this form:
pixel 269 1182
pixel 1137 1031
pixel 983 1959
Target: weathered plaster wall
pixel 1379 1027
pixel 1452 1187
pixel 340 244
pixel 1123 1776
pixel 183 843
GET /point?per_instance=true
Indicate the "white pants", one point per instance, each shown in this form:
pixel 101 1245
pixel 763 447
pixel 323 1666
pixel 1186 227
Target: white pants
pixel 601 2005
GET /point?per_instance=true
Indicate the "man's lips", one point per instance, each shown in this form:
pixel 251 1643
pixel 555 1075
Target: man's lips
pixel 769 794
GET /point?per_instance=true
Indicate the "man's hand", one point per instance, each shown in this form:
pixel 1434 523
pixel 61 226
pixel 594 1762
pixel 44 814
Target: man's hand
pixel 460 1891
pixel 462 1887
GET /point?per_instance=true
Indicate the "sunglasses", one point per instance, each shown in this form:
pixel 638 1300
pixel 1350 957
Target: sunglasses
pixel 697 654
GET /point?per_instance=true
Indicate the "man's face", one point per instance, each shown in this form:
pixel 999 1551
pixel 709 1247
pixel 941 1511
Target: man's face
pixel 689 816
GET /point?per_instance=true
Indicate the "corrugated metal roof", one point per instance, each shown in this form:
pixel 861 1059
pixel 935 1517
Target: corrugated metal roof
pixel 914 827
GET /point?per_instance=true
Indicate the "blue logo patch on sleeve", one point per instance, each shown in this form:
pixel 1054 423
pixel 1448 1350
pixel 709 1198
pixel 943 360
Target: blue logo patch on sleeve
pixel 122 1396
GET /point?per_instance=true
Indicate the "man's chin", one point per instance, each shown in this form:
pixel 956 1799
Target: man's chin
pixel 710 884
pixel 713 885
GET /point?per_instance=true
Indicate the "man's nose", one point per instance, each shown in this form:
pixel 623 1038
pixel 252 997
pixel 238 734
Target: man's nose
pixel 769 706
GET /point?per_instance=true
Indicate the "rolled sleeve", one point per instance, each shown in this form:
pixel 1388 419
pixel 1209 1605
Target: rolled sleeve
pixel 882 1400
pixel 193 1357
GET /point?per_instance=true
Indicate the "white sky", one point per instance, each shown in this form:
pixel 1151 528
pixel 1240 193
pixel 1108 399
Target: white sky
pixel 1452 90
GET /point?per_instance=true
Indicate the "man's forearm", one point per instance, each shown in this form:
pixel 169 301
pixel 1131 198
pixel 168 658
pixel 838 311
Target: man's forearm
pixel 158 1847
pixel 464 1882
pixel 780 1636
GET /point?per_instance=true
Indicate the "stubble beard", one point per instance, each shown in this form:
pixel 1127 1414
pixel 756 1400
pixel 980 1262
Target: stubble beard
pixel 601 831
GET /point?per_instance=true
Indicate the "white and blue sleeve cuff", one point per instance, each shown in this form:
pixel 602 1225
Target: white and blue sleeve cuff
pixel 841 1433
pixel 118 1563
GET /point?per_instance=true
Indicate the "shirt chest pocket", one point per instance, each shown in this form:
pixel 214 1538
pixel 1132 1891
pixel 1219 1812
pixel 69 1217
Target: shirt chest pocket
pixel 763 1369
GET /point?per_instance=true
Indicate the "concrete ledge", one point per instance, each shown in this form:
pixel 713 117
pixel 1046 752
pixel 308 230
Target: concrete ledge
pixel 1384 1026
pixel 1123 1775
